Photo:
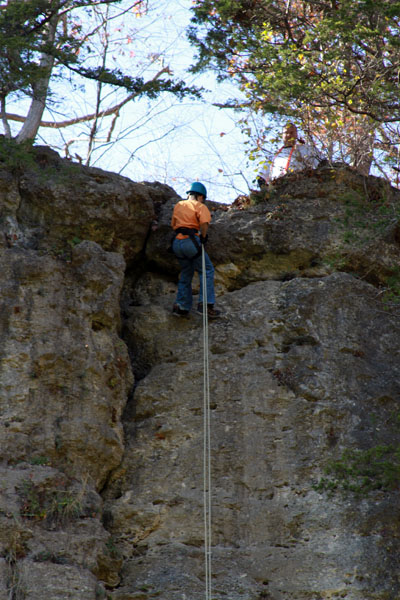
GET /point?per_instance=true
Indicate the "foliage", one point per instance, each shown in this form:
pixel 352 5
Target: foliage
pixel 363 471
pixel 137 85
pixel 331 64
pixel 40 460
pixel 343 54
pixel 16 157
pixel 369 213
pixel 45 40
pixel 17 584
pixel 20 157
pixel 52 502
pixel 112 548
pixel 392 291
pixel 22 29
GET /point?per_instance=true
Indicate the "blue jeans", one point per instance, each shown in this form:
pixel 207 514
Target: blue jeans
pixel 185 252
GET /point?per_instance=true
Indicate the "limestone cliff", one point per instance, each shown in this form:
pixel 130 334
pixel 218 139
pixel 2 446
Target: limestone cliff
pixel 101 391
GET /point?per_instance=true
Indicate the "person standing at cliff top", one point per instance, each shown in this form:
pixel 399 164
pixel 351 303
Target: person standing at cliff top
pixel 294 155
pixel 190 222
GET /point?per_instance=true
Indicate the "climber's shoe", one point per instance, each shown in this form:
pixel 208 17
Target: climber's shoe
pixel 178 311
pixel 213 313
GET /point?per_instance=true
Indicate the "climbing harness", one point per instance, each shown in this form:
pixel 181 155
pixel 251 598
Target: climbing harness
pixel 193 237
pixel 207 437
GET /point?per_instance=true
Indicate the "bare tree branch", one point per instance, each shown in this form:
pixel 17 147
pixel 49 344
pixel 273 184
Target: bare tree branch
pixel 89 117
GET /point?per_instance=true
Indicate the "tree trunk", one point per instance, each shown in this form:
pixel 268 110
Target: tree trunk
pixel 362 150
pixel 6 126
pixel 39 88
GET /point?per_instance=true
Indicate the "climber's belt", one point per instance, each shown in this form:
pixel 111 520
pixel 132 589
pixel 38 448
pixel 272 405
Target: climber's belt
pixel 186 231
pixel 192 233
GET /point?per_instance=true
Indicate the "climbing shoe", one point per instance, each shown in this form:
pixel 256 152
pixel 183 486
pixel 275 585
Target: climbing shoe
pixel 213 313
pixel 178 311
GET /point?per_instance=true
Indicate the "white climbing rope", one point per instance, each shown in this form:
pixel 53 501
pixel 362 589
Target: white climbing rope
pixel 207 436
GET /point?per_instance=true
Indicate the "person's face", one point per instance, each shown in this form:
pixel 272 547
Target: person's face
pixel 290 135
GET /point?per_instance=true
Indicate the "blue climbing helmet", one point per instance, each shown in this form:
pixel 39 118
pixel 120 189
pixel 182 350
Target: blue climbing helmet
pixel 198 188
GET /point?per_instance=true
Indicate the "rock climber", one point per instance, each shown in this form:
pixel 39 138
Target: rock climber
pixel 190 221
pixel 294 155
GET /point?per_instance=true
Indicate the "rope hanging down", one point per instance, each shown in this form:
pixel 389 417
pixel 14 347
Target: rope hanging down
pixel 207 437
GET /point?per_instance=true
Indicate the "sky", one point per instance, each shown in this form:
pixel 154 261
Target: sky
pixel 167 140
pixel 206 143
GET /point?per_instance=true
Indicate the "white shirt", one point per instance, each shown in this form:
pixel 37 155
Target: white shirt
pixel 289 159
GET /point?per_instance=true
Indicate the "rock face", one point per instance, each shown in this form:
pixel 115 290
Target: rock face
pixel 293 380
pixel 101 402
